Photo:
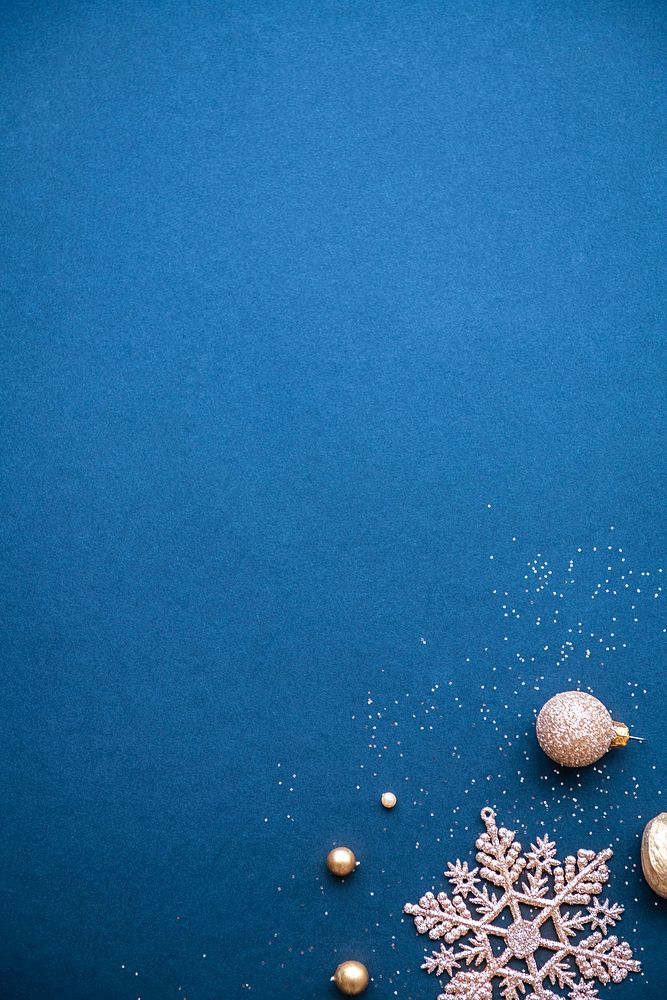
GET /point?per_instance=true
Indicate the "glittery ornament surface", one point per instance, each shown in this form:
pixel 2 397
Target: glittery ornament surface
pixel 575 729
pixel 541 897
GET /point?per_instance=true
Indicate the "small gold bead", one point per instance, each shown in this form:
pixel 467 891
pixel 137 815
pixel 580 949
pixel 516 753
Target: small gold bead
pixel 388 800
pixel 351 978
pixel 341 861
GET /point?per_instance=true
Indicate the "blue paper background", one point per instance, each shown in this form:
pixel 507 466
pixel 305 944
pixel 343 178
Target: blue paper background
pixel 291 294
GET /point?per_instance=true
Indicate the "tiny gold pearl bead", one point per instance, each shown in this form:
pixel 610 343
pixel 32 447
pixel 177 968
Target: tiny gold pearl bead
pixel 388 800
pixel 341 861
pixel 351 978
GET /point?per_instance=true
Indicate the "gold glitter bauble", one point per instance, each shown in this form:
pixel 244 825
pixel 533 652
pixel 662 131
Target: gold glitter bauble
pixel 341 861
pixel 575 729
pixel 388 800
pixel 654 854
pixel 351 978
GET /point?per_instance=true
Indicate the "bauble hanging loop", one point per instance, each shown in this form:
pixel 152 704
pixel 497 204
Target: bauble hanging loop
pixel 575 729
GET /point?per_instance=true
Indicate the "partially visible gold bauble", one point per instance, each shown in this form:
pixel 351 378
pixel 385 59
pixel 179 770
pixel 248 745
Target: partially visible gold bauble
pixel 388 800
pixel 575 729
pixel 654 854
pixel 341 861
pixel 351 978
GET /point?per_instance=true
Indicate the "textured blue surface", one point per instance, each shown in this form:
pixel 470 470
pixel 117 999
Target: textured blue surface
pixel 291 293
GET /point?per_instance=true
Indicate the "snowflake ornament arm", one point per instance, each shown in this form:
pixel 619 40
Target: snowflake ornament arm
pixel 471 915
pixel 461 879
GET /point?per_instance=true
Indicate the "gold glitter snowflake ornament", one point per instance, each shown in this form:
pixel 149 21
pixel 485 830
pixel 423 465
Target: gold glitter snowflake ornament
pixel 525 934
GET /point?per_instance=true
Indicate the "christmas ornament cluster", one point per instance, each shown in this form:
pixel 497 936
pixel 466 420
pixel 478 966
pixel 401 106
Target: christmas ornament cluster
pixel 498 915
